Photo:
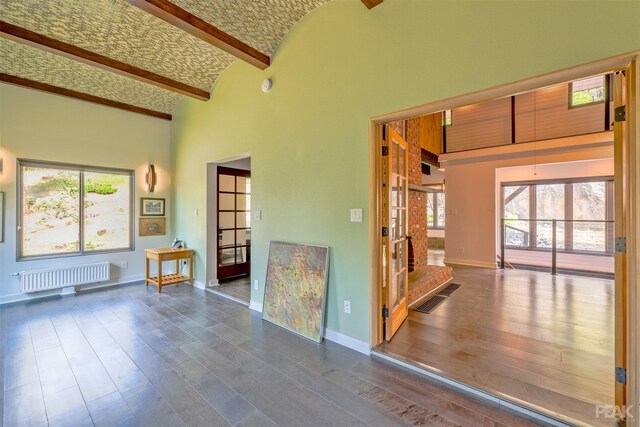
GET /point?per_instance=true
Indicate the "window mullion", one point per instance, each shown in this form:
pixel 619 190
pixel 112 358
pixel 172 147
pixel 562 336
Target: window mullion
pixel 533 225
pixel 81 212
pixel 568 215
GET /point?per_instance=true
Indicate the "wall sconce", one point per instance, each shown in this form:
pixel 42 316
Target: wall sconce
pixel 150 178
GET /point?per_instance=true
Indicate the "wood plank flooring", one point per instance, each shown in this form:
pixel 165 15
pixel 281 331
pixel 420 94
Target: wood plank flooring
pixel 542 339
pixel 128 356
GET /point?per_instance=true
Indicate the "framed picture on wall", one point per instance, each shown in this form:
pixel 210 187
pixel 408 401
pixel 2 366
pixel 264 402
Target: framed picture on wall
pixel 151 207
pixel 153 226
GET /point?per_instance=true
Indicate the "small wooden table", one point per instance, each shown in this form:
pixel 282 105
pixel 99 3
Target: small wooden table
pixel 168 254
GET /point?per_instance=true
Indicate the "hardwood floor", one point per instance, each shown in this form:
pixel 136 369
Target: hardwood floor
pixel 542 339
pixel 239 289
pixel 128 356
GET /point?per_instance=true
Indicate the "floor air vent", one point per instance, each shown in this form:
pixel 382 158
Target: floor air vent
pixel 428 306
pixel 446 292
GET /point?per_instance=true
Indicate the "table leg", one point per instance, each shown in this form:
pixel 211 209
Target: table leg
pixel 177 266
pixel 191 269
pixel 159 275
pixel 146 276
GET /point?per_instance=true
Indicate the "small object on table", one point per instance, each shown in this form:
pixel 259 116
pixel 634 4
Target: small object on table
pixel 168 254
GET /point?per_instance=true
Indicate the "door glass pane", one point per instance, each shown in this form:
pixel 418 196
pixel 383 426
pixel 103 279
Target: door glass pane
pixel 394 259
pixel 394 224
pixel 394 290
pixel 226 220
pixel 243 219
pixel 549 205
pixel 401 222
pixel 227 238
pixel 401 155
pixel 227 202
pixel 244 202
pixel 401 255
pixel 401 279
pixel 402 182
pixel 394 191
pixel 107 211
pixel 243 237
pixel 241 255
pixel 589 204
pixel 394 157
pixel 226 183
pixel 50 211
pixel 516 214
pixel 244 184
pixel 226 256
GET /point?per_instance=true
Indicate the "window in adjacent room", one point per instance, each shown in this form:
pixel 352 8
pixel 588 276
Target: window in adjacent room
pixel 73 210
pixel 435 210
pixel 447 118
pixel 587 91
pixel 582 208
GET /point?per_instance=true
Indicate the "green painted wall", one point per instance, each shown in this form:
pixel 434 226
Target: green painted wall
pixel 341 65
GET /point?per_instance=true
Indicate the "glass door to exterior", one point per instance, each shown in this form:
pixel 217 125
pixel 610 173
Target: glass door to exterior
pixel 234 222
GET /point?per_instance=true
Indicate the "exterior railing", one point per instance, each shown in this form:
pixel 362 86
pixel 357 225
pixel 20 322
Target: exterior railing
pixel 527 242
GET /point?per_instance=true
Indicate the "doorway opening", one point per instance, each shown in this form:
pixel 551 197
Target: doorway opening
pixel 548 343
pixel 229 229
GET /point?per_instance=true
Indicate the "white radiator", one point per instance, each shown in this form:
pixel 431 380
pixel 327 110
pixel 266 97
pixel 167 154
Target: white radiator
pixel 62 277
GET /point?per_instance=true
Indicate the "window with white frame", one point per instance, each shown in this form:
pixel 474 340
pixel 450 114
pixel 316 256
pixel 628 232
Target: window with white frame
pixel 73 210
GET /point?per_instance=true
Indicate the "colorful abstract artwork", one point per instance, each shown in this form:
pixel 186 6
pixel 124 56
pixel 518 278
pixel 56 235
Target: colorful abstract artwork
pixel 295 288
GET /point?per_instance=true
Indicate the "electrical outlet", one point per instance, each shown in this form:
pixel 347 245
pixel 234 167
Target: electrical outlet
pixel 256 284
pixel 347 307
pixel 124 265
pixel 461 250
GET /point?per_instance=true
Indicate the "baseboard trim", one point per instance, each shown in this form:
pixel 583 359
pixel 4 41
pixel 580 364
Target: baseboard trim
pixel 330 335
pixel 470 263
pixel 347 341
pixel 255 306
pixel 20 297
pixel 521 410
pixel 198 285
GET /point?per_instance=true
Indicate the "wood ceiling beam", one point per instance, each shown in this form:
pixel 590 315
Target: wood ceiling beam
pixel 45 87
pixel 203 30
pixel 371 3
pixel 30 38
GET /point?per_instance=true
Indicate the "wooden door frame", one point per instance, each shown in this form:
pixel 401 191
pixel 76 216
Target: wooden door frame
pixel 616 63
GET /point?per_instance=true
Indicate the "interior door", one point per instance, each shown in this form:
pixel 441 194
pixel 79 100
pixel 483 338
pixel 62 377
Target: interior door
pixel 234 222
pixel 395 226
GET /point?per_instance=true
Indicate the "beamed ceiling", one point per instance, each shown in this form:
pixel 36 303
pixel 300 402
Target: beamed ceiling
pixel 143 54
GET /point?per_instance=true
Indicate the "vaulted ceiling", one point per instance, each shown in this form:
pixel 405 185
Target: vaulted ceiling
pixel 140 55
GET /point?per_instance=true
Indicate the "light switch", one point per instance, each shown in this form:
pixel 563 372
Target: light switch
pixel 257 215
pixel 356 215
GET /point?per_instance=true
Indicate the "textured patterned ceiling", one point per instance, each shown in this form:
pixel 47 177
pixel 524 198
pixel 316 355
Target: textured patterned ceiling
pixel 35 64
pixel 259 23
pixel 123 32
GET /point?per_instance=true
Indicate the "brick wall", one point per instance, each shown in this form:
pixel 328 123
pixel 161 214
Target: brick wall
pixel 417 200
